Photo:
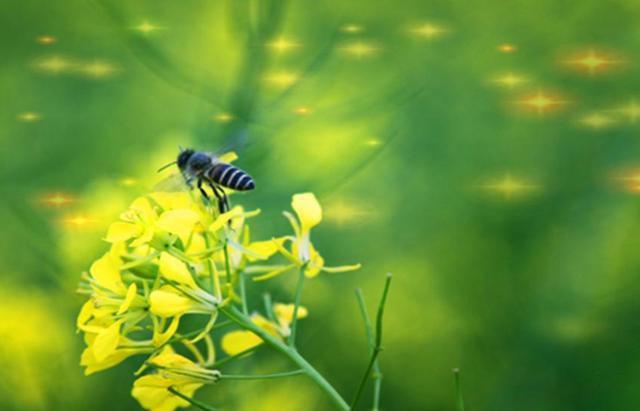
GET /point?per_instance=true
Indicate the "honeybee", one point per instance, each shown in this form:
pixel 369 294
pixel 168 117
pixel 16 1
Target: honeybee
pixel 207 169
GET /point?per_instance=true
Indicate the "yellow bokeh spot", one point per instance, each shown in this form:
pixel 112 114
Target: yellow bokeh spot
pixel 428 31
pixel 302 110
pixel 98 69
pixel 223 117
pixel 509 80
pixel 343 211
pixel 360 49
pixel 281 79
pixel 46 40
pixel 79 221
pixel 29 117
pixel 53 64
pixel 509 187
pixel 631 111
pixel 128 181
pixel 146 27
pixel 352 28
pixel 597 121
pixel 541 102
pixel 56 200
pixel 282 45
pixel 592 62
pixel 507 48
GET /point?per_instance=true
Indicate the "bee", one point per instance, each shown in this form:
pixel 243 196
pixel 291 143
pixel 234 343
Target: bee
pixel 207 169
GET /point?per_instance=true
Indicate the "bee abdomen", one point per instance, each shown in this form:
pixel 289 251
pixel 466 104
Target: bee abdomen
pixel 231 177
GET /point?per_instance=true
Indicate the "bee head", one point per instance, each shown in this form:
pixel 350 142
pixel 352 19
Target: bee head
pixel 183 157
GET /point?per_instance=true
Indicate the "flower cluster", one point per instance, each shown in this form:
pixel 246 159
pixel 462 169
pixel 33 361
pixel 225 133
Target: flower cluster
pixel 174 265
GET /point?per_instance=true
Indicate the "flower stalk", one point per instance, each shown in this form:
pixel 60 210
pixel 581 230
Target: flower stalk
pixel 173 256
pixel 289 353
pixel 296 307
pixel 377 346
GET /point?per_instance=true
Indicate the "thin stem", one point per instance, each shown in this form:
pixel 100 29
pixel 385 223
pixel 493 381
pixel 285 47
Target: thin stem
pixel 459 399
pixel 227 265
pixel 268 306
pixel 196 403
pixel 261 377
pixel 298 297
pixel 214 280
pixel 377 373
pixel 243 293
pixel 234 357
pixel 377 343
pixel 245 322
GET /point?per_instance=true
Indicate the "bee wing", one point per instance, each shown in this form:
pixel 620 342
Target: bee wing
pixel 171 183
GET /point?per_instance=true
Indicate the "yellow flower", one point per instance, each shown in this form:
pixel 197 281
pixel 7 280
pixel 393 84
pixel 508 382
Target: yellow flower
pixel 302 253
pixel 173 371
pixel 284 315
pixel 235 342
pixel 107 348
pixel 167 301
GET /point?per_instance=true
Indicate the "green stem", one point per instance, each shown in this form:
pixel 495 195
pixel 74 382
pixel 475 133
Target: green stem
pixel 196 403
pixel 459 399
pixel 245 322
pixel 227 265
pixel 377 373
pixel 261 377
pixel 377 343
pixel 234 357
pixel 268 306
pixel 243 293
pixel 298 297
pixel 215 287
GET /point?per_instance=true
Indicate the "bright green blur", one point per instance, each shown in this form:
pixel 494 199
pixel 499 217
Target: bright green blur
pixel 528 284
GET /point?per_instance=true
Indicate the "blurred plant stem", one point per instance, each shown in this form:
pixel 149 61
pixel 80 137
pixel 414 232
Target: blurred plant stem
pixel 375 345
pixel 290 352
pixel 459 399
pixel 298 297
pixel 190 400
pixel 377 374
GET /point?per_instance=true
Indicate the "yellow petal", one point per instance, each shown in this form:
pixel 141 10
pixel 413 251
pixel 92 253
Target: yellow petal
pixel 168 358
pixel 224 218
pixel 228 157
pixel 106 272
pixel 120 231
pixel 131 294
pixel 315 265
pixel 86 312
pixel 265 324
pixel 143 209
pixel 161 337
pixel 166 302
pixel 180 222
pixel 172 200
pixel 264 249
pixel 89 361
pixel 198 246
pixel 236 342
pixel 175 270
pixel 308 210
pixel 284 312
pixel 106 342
pixel 342 268
pixel 151 392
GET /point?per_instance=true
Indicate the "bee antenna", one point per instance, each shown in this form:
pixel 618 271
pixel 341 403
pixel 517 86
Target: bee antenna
pixel 166 166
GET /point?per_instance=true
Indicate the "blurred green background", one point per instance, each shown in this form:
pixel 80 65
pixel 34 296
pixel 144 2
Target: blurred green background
pixel 484 153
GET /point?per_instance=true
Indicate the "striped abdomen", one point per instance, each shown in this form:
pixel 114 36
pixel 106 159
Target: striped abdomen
pixel 231 177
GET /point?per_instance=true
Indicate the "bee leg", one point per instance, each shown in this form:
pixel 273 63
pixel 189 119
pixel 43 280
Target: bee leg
pixel 203 192
pixel 223 202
